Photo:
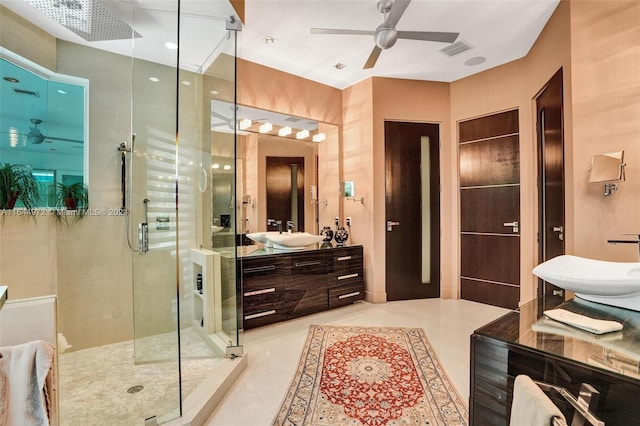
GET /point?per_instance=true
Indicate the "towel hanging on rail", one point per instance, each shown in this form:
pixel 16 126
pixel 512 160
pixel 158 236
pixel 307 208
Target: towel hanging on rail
pixel 531 407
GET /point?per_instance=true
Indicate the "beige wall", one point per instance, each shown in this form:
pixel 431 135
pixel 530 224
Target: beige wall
pixel 27 40
pixel 605 59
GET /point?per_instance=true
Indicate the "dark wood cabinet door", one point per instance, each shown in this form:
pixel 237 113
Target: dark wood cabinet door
pixel 489 157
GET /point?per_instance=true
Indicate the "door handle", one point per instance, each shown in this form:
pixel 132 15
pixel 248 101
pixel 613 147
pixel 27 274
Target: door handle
pixel 560 231
pixel 513 225
pixel 391 224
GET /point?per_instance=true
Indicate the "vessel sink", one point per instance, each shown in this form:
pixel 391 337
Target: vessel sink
pixel 295 240
pixel 216 228
pixel 262 237
pixel 611 283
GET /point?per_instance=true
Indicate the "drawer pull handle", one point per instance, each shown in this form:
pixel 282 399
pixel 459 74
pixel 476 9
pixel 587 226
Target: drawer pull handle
pixel 344 296
pixel 346 277
pixel 309 263
pixel 260 269
pixel 257 292
pixel 345 258
pixel 261 314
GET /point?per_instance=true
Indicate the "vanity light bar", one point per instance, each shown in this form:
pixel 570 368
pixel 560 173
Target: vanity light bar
pixel 302 134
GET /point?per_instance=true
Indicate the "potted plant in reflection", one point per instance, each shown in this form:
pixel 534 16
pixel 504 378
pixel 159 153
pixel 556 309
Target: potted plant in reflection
pixel 69 197
pixel 17 184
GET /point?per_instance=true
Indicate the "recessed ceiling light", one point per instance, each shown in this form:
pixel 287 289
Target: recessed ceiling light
pixel 302 134
pixel 154 79
pixel 285 131
pixel 215 166
pixel 339 66
pixel 62 92
pixel 11 79
pixel 227 167
pixel 186 82
pixel 476 60
pixel 245 124
pixel 214 92
pixel 171 45
pixel 269 40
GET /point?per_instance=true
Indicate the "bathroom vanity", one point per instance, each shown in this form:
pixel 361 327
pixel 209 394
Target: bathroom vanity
pixel 523 342
pixel 280 285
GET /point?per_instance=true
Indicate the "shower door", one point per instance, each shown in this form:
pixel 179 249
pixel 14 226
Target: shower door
pixel 185 318
pixel 152 209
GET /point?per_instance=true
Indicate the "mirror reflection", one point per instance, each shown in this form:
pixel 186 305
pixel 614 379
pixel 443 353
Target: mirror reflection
pixel 42 122
pixel 286 172
pixel 607 167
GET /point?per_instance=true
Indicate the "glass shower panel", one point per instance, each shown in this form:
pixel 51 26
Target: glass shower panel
pixel 153 209
pixel 210 302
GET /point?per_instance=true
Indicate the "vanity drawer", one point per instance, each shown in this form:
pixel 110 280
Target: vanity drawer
pixel 258 274
pixel 345 295
pixel 347 260
pixel 307 264
pixel 262 298
pixel 268 315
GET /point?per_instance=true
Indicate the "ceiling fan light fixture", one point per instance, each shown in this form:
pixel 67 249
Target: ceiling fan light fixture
pixel 385 37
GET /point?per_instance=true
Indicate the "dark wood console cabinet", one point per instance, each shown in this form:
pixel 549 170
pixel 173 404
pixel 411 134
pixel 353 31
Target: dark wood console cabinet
pixel 283 285
pixel 560 356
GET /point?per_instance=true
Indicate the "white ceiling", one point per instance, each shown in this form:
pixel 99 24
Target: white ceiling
pixel 498 30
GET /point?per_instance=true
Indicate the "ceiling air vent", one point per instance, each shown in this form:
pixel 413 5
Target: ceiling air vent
pixel 292 119
pixel 26 92
pixel 455 48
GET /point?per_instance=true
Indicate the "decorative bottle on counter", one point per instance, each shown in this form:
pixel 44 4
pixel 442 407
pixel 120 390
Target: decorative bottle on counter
pixel 328 236
pixel 341 237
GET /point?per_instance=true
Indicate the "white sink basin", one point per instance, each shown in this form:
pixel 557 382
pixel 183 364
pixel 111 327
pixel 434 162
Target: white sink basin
pixel 216 228
pixel 295 240
pixel 261 237
pixel 611 283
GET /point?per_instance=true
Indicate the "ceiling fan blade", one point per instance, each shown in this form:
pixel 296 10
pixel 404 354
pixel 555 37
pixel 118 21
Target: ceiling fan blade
pixel 429 36
pixel 373 58
pixel 340 31
pixel 64 139
pixel 398 8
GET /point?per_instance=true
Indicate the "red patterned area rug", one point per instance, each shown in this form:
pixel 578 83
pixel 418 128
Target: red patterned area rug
pixel 370 376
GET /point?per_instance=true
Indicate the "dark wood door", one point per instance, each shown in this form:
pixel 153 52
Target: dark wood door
pixel 551 224
pixel 490 209
pixel 285 190
pixel 412 188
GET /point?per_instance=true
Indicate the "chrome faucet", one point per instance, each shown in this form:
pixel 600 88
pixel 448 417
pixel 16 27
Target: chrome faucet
pixel 290 225
pixel 277 223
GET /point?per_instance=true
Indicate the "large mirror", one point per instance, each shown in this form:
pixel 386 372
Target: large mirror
pixel 43 122
pixel 286 169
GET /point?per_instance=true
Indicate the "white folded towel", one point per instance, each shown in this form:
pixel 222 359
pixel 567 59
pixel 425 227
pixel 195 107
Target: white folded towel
pixel 592 325
pixel 26 373
pixel 531 407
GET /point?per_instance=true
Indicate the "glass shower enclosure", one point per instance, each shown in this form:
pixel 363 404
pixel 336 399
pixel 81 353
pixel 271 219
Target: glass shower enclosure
pixel 144 313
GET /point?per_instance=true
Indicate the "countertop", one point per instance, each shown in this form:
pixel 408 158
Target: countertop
pixel 256 250
pixel 617 352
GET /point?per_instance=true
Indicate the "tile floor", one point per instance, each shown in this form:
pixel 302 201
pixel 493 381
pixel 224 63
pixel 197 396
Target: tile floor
pixel 273 351
pixel 93 382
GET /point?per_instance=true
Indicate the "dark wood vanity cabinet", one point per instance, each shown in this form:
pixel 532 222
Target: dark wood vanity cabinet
pixel 281 286
pixel 507 347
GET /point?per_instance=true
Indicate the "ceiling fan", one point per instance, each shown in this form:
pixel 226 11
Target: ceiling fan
pixel 386 35
pixel 36 137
